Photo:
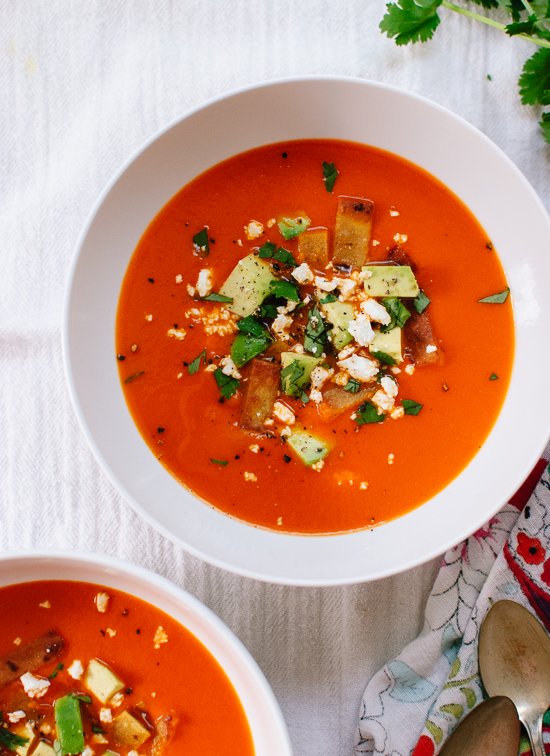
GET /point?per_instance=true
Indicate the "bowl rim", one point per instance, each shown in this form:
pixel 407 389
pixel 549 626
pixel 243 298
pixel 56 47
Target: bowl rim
pixel 460 533
pixel 105 563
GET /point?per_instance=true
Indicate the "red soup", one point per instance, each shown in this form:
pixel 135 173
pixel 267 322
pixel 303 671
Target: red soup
pixel 314 336
pixel 94 671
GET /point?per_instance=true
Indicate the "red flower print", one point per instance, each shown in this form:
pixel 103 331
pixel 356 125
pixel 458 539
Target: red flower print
pixel 545 577
pixel 530 549
pixel 424 747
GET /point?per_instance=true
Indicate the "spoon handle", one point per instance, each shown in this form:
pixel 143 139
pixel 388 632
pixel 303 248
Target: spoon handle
pixel 533 725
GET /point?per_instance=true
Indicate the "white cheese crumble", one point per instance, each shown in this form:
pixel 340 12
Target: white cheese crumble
pixel 346 352
pixel 149 317
pixel 389 386
pixel 253 230
pixel 383 401
pixel 363 485
pixel 45 605
pixel 250 477
pixel 160 638
pixel 286 432
pixel 101 601
pixel 204 282
pixel 431 348
pixel 391 457
pixel 190 290
pixel 117 700
pixel 360 368
pixel 176 333
pixel 409 369
pixel 324 284
pixel 319 376
pixel 105 715
pixel 279 326
pixel 254 448
pixel 179 278
pixel 375 243
pixel 401 238
pixel 397 413
pixel 271 222
pixel 110 632
pixel 303 274
pixel 229 368
pixel 76 670
pixel 346 286
pixel 318 466
pixel 17 641
pixel 88 751
pixel 393 212
pixel 16 716
pixel 376 311
pixel 35 687
pixel 284 413
pixel 361 330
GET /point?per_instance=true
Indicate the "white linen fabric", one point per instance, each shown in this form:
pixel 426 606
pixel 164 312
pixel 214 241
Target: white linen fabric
pixel 82 85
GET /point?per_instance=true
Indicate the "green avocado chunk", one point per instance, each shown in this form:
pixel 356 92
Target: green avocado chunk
pixel 389 343
pixel 390 281
pixel 339 314
pixel 307 447
pixel 247 285
pixel 296 370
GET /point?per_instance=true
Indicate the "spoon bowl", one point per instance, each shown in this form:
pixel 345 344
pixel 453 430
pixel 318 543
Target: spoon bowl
pixel 491 729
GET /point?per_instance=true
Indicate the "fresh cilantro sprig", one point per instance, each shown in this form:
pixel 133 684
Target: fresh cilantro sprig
pixel 410 21
pixel 10 740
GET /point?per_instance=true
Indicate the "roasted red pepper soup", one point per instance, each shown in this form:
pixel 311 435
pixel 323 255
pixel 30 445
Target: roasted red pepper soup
pixel 315 336
pixel 94 671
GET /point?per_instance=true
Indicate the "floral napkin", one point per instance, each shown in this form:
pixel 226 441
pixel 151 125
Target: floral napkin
pixel 413 703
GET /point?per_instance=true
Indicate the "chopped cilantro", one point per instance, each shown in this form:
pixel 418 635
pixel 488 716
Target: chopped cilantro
pixel 81 697
pixel 215 297
pixel 411 407
pixel 397 311
pixel 252 326
pixel 329 298
pixel 201 242
pixel 330 174
pixel 352 386
pixel 290 376
pixel 367 413
pixel 285 290
pixel 316 333
pixel 268 310
pixel 304 397
pixel 384 358
pixel 221 462
pixel 194 366
pixel 267 250
pixel 493 377
pixel 10 740
pixel 277 253
pixel 291 227
pixel 499 298
pixel 226 384
pixel 53 675
pixel 420 302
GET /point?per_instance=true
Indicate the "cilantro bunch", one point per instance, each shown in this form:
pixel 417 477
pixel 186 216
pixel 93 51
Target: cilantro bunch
pixel 416 21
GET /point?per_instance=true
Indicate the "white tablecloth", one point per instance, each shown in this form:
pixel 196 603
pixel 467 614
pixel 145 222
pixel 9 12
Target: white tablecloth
pixel 82 85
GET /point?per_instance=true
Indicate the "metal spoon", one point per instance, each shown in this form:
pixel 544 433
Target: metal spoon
pixel 514 661
pixel 491 729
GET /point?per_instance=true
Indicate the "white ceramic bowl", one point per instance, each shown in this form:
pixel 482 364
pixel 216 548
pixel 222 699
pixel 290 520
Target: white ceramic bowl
pixel 266 723
pixel 449 148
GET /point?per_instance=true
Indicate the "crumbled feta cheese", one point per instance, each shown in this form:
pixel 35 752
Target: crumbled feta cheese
pixel 389 386
pixel 400 238
pixel 239 242
pixel 105 715
pixel 35 687
pixel 383 401
pixel 76 670
pixel 375 243
pixel 363 485
pixel 179 279
pixel 393 212
pixel 149 317
pixel 409 369
pixel 254 448
pixel 289 307
pixel 318 466
pixel 431 348
pixel 190 290
pixel 364 275
pixel 45 729
pixel 360 368
pixel 319 376
pixel 279 326
pixel 45 605
pixel 303 274
pixel 324 284
pixel 101 602
pixel 133 753
pixel 395 370
pixel 110 632
pixel 346 352
pixel 279 520
pixel 211 368
pixel 286 432
pixel 341 378
pixel 17 641
pixel 270 421
pixel 361 330
pixel 298 348
pixel 397 413
pixel 16 716
pixel 161 637
pixel 271 222
pixel 250 477
pixel 376 311
pixel 100 739
pixel 253 230
pixel 346 286
pixel 316 396
pixel 117 700
pixel 204 282
pixel 391 457
pixel 88 751
pixel 176 333
pixel 284 413
pixel 134 347
pixel 229 368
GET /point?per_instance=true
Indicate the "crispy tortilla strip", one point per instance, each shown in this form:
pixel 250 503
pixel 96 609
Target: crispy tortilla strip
pixel 352 231
pixel 336 400
pixel 419 337
pixel 313 247
pixel 30 657
pixel 260 392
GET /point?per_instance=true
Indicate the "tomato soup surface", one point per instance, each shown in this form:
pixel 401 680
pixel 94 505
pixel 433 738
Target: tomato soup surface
pixel 373 471
pixel 51 634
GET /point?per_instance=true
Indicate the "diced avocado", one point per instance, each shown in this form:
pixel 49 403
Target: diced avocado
pixel 390 281
pixel 247 285
pixel 128 731
pixel 68 722
pixel 24 731
pixel 309 448
pixel 111 753
pixel 389 343
pixel 296 370
pixel 339 314
pixel 43 749
pixel 101 681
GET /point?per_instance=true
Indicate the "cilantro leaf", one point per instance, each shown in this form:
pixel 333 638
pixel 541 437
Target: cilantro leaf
pixel 411 407
pixel 499 298
pixel 267 250
pixel 55 672
pixel 330 174
pixel 411 20
pixel 397 311
pixel 221 462
pixel 268 310
pixel 493 377
pixel 215 297
pixel 487 3
pixel 195 365
pixel 226 383
pixel 384 358
pixel 534 82
pixel 291 227
pixel 352 386
pixel 367 413
pixel 201 242
pixel 545 125
pixel 290 377
pixel 316 333
pixel 277 253
pixel 10 740
pixel 420 302
pixel 522 27
pixel 329 298
pixel 285 290
pixel 252 326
